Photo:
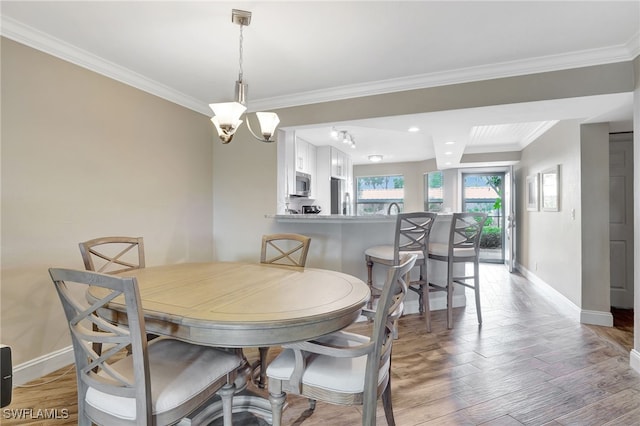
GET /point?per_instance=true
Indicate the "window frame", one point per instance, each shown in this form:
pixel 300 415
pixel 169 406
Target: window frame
pixel 426 201
pixel 385 203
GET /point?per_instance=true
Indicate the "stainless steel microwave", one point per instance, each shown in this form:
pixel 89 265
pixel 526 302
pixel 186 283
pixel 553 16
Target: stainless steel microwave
pixel 303 185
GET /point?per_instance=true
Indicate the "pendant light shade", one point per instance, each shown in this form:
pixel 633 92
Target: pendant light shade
pixel 227 115
pixel 268 123
pixel 227 118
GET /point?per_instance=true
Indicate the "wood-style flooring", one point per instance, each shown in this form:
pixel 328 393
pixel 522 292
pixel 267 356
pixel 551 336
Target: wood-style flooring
pixel 527 365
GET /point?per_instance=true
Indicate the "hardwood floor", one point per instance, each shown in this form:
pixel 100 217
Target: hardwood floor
pixel 527 365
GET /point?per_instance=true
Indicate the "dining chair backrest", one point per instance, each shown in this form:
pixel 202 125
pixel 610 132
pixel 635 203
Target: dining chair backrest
pixel 465 234
pixel 111 255
pixel 93 370
pixel 412 233
pixel 388 311
pixel 285 249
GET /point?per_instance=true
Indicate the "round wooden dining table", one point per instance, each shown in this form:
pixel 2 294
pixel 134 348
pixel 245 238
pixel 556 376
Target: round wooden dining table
pixel 236 305
pixel 233 304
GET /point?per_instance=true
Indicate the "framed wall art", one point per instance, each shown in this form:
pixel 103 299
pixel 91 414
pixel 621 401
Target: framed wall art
pixel 550 189
pixel 532 193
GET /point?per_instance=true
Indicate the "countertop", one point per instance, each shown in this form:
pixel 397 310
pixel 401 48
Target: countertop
pixel 336 218
pixel 333 218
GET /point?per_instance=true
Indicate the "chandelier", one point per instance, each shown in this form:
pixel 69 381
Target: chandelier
pixel 227 115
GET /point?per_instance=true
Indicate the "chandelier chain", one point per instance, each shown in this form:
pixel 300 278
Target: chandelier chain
pixel 241 73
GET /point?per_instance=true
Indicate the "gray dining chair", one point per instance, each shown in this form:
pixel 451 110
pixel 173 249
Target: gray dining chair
pixel 280 249
pixel 159 382
pixel 111 255
pixel 345 368
pixel 285 249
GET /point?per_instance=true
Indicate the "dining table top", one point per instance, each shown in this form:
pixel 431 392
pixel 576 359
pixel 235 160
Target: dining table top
pixel 238 304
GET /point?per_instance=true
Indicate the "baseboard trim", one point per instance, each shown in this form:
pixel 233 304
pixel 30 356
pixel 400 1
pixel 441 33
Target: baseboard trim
pixel 604 319
pixel 634 360
pixel 41 366
pixel 563 304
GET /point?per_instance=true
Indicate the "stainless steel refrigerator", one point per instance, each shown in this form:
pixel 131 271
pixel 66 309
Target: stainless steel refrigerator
pixel 337 196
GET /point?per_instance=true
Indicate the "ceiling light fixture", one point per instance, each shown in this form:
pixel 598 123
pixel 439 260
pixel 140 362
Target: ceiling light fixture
pixel 346 138
pixel 227 115
pixel 334 133
pixel 414 129
pixel 375 158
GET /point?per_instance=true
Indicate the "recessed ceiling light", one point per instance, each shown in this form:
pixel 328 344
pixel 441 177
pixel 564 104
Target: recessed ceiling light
pixel 450 143
pixel 448 153
pixel 375 158
pixel 414 129
pixel 448 163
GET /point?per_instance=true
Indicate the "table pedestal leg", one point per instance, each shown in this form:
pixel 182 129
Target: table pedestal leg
pixel 244 401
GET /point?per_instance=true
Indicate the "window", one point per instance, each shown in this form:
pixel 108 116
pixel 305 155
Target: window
pixel 376 194
pixel 433 192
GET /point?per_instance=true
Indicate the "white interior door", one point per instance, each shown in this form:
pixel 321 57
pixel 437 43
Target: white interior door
pixel 510 220
pixel 621 219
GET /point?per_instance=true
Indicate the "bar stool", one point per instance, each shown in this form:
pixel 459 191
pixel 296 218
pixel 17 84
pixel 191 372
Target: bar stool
pixel 463 247
pixel 411 236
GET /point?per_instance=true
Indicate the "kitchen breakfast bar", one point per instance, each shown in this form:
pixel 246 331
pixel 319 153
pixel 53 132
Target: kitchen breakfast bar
pixel 339 241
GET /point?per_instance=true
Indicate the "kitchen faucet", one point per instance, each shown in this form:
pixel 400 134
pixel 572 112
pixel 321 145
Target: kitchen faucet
pixel 391 205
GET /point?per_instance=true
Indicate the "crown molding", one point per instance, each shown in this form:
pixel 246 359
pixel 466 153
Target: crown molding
pixel 36 39
pixel 17 31
pixel 602 56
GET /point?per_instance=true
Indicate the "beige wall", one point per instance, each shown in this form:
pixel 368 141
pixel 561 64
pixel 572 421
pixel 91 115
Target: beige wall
pixel 594 163
pixel 549 242
pixel 85 156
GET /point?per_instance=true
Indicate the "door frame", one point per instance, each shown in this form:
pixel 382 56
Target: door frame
pixel 507 248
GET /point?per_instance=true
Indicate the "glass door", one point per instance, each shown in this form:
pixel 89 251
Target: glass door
pixel 484 192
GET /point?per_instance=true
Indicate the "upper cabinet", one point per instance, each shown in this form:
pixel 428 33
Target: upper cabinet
pixel 305 157
pixel 339 163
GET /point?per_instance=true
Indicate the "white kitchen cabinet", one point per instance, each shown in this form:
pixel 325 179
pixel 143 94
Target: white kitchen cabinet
pixel 305 157
pixel 332 163
pixel 338 163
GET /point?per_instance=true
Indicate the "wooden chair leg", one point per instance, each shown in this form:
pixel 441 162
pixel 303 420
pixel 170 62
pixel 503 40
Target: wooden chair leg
pixel 226 395
pixel 277 403
pixel 369 280
pixel 476 289
pixel 450 295
pixel 427 307
pixel 387 405
pixel 263 367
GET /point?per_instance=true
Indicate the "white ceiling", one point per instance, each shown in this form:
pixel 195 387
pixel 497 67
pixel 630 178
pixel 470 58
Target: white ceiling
pixel 300 52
